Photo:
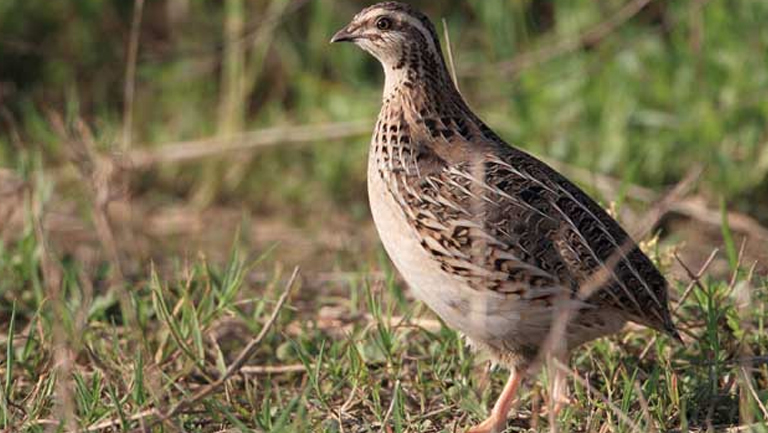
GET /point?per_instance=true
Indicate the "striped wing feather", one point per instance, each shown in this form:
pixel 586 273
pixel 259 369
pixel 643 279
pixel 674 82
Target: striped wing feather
pixel 503 220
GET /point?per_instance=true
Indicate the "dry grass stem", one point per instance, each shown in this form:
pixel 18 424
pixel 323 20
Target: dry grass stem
pixel 391 407
pixel 751 387
pixel 449 49
pixel 273 369
pixel 111 423
pixel 129 89
pixel 204 148
pixel 695 278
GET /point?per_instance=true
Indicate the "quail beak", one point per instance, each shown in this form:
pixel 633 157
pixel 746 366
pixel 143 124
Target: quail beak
pixel 344 35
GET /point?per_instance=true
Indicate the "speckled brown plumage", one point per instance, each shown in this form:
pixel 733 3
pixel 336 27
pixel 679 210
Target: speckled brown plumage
pixel 491 238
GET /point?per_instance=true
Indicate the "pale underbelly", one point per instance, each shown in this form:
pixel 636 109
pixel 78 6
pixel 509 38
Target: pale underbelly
pixel 482 316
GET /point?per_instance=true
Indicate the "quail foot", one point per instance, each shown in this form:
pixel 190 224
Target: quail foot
pixel 502 247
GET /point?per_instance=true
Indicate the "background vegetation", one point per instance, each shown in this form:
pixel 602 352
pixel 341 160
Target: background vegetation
pixel 165 164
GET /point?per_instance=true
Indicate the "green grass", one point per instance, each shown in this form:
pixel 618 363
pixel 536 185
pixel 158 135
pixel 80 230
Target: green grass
pixel 359 355
pixel 681 84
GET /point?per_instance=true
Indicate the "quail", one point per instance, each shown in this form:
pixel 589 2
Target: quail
pixel 498 244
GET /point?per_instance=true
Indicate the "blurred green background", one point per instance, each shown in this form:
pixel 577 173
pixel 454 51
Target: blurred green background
pixel 639 90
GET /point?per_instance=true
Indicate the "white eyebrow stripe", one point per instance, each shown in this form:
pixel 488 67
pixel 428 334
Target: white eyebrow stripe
pixel 410 19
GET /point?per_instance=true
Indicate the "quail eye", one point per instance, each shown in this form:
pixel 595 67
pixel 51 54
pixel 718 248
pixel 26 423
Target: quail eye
pixel 384 23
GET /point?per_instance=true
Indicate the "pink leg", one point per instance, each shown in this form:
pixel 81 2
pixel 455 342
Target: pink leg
pixel 498 419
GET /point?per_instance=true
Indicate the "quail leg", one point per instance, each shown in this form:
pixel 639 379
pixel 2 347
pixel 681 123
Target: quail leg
pixel 498 418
